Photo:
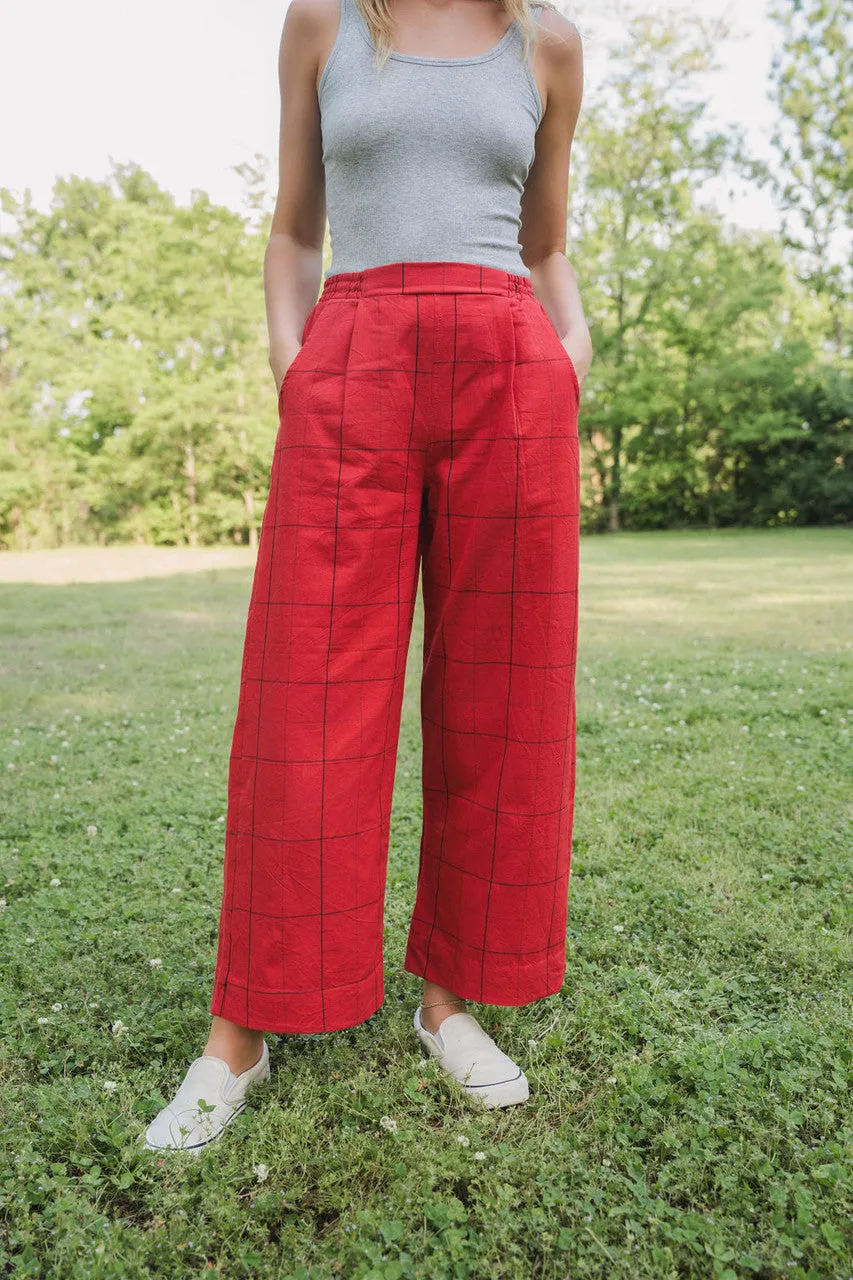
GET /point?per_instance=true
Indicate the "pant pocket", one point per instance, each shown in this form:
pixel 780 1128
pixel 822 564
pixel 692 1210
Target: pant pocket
pixel 301 354
pixel 553 343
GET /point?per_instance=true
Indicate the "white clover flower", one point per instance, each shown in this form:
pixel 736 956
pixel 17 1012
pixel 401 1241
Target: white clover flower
pixel 42 1021
pixel 611 1079
pixel 118 1027
pixel 261 1172
pixel 619 928
pixel 388 1123
pixel 110 1086
pixel 55 883
pixel 57 1008
pixel 463 1140
pixel 91 830
pixel 30 940
pixel 479 1155
pixel 156 963
pixel 177 891
pixel 2 904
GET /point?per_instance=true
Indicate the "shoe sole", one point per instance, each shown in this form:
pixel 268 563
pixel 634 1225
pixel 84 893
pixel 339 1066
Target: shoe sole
pixel 505 1093
pixel 196 1147
pixel 508 1093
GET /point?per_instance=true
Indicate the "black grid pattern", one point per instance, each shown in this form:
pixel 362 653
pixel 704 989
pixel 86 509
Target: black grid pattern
pixel 427 425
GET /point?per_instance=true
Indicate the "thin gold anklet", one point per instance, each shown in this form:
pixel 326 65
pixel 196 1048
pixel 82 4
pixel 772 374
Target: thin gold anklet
pixel 436 1003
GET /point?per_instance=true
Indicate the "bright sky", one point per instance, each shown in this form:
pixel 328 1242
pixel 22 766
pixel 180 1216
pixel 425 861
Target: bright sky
pixel 188 88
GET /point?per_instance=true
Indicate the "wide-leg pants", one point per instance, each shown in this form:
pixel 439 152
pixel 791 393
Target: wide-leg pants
pixel 427 424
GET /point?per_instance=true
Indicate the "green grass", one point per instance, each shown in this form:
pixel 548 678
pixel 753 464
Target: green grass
pixel 691 1108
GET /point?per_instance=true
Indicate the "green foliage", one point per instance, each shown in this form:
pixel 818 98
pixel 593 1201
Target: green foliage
pixel 786 438
pixel 760 441
pixel 690 1112
pixel 694 323
pixel 813 87
pixel 133 391
pixel 137 403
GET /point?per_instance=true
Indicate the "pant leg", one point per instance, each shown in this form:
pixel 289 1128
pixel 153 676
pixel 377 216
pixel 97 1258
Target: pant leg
pixel 500 574
pixel 314 748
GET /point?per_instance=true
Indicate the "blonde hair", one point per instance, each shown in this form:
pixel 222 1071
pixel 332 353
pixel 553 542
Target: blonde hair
pixel 377 16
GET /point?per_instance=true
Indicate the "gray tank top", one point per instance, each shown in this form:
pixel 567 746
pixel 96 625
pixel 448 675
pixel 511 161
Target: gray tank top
pixel 426 158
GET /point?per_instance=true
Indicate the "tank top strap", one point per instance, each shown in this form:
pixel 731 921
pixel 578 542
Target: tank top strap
pixel 347 34
pixel 535 14
pixel 536 11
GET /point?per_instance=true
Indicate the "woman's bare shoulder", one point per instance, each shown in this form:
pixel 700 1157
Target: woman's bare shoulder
pixel 312 19
pixel 558 36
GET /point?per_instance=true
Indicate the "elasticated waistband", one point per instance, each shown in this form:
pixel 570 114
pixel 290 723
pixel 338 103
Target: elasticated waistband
pixel 425 277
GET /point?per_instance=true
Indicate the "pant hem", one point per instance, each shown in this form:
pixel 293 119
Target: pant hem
pixel 295 1013
pixel 510 992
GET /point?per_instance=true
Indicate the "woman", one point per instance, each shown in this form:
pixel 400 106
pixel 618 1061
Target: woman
pixel 427 419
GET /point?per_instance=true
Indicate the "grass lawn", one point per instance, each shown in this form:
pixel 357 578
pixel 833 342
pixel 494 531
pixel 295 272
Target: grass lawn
pixel 691 1085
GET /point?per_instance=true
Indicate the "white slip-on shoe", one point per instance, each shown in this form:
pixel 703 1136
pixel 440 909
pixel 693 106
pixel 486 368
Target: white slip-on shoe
pixel 209 1098
pixel 471 1056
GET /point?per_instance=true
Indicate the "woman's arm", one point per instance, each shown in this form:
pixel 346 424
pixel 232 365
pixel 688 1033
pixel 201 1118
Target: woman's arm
pixel 293 262
pixel 558 67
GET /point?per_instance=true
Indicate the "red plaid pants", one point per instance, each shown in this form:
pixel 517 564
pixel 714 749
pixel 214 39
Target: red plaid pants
pixel 427 424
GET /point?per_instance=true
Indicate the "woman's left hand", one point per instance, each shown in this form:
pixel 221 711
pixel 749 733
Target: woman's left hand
pixel 578 345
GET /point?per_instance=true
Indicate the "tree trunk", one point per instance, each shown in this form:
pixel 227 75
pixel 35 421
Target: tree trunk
pixel 249 503
pixel 615 482
pixel 176 503
pixel 616 467
pixel 192 491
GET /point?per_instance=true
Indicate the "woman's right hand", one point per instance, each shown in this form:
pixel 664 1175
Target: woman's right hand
pixel 281 360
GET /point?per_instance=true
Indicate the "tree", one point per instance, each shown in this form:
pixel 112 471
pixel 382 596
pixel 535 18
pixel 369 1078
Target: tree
pixel 134 390
pixel 813 88
pixel 721 309
pixel 644 150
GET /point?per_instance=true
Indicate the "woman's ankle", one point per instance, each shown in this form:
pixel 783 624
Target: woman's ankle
pixel 240 1047
pixel 437 1003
